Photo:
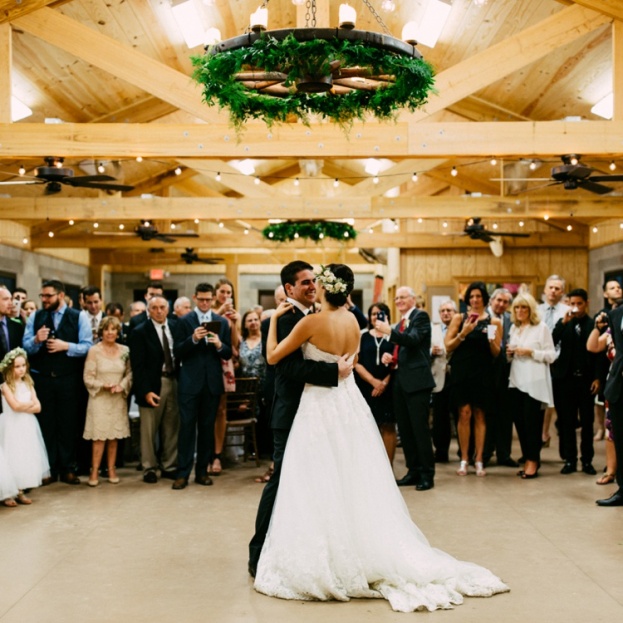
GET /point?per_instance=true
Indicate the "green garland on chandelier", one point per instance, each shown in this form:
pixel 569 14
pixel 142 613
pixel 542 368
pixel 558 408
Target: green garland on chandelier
pixel 412 82
pixel 314 230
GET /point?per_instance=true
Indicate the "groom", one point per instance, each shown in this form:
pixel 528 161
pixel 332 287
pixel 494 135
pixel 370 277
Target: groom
pixel 291 374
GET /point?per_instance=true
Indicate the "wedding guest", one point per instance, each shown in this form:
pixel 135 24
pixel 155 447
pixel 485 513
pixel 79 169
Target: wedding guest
pixel 182 306
pixel 552 310
pixel 57 339
pixel 474 340
pixel 530 350
pixel 576 383
pixel 442 424
pixel 225 306
pixel 108 378
pixel 374 377
pixel 29 307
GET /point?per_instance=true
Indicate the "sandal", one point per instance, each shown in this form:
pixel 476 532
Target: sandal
pixel 215 468
pixel 266 477
pixel 606 479
pixel 480 469
pixel 10 502
pixel 462 471
pixel 22 499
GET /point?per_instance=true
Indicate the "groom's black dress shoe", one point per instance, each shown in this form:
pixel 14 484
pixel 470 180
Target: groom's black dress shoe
pixel 569 468
pixel 408 481
pixel 613 500
pixel 425 485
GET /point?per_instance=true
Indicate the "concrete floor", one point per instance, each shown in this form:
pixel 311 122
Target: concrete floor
pixel 144 553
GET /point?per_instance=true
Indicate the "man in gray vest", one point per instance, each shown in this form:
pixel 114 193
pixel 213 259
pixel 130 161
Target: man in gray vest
pixel 57 339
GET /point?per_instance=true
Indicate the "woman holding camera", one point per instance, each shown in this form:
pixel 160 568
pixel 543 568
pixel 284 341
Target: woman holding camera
pixel 374 378
pixel 530 350
pixel 474 340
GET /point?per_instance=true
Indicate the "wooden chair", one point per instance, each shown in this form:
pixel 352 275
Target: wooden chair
pixel 242 416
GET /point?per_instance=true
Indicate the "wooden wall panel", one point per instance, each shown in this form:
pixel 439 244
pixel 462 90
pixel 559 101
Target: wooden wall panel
pixel 446 267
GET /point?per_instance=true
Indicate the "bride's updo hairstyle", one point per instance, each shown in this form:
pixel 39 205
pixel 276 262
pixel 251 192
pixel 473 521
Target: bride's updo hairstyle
pixel 338 281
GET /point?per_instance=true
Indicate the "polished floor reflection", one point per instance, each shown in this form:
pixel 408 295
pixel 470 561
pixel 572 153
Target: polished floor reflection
pixel 144 553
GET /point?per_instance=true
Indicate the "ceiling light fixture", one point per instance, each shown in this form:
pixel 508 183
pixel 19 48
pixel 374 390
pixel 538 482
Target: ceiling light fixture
pixel 612 166
pixel 414 177
pixel 341 74
pixel 454 172
pixel 101 168
pixel 22 170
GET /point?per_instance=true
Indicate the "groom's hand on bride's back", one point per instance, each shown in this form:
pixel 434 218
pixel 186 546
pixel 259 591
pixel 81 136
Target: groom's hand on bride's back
pixel 344 367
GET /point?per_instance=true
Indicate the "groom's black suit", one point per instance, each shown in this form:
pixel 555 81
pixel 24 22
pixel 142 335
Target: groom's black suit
pixel 614 390
pixel 291 375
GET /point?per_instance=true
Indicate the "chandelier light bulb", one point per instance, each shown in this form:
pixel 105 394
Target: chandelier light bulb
pixel 58 164
pixel 612 166
pixel 196 221
pixel 147 224
pixel 321 235
pixel 101 168
pixel 259 20
pixel 493 162
pixel 296 234
pixel 445 224
pixel 71 221
pixel 345 234
pixel 574 161
pixel 246 232
pixel 271 234
pixel 178 171
pixel 256 181
pixel 25 240
pixel 595 230
pixel 388 5
pixel 139 158
pixel 375 179
pixel 218 176
pixel 414 177
pixel 532 165
pixel 51 234
pixel 370 231
pixel 569 227
pixel 221 224
pixel 296 181
pixel 454 172
pixel 396 226
pixel 495 225
pixel 521 223
pixel 420 220
pixel 546 217
pixel 22 170
pixel 96 225
pixel 172 226
pixel 121 226
pixel 336 183
pixel 347 16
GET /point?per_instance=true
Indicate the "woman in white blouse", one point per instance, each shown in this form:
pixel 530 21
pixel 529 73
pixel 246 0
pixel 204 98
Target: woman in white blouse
pixel 530 350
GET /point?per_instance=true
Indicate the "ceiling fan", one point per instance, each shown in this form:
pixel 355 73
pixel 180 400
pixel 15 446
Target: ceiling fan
pixel 572 174
pixel 54 175
pixel 147 231
pixel 190 256
pixel 477 231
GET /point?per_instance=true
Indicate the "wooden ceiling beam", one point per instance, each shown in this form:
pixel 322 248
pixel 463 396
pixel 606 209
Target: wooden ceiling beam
pixel 544 139
pixel 120 209
pixel 12 9
pixel 612 8
pixel 255 240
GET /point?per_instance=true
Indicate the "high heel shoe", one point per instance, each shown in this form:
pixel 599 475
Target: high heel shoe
pixel 525 476
pixel 93 480
pixel 480 469
pixel 462 471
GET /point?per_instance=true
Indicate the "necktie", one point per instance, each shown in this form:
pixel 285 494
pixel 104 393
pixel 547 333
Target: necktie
pixel 549 318
pixel 4 342
pixel 401 328
pixel 168 359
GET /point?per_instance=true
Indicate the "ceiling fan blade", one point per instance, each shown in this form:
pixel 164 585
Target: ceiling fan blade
pixel 606 178
pixel 186 235
pixel 22 182
pixel 593 187
pixel 162 238
pixel 483 235
pixel 104 186
pixel 513 234
pixel 87 179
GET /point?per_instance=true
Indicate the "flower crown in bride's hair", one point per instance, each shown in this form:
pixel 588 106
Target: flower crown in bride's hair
pixel 331 283
pixel 11 356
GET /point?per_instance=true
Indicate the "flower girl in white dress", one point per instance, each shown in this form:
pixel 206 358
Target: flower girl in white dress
pixel 20 435
pixel 340 527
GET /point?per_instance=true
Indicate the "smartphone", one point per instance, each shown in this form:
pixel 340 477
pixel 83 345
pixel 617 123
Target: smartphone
pixel 574 310
pixel 51 334
pixel 474 317
pixel 380 315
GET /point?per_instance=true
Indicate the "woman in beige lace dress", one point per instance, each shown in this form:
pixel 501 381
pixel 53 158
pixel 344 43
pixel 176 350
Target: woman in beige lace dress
pixel 108 379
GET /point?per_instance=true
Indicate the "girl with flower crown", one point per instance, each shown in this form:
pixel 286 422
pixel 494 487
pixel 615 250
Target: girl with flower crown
pixel 20 435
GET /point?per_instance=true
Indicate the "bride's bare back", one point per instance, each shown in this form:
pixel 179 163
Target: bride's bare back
pixel 332 330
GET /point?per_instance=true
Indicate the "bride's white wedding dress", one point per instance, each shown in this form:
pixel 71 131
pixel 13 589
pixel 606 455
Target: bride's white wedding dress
pixel 340 527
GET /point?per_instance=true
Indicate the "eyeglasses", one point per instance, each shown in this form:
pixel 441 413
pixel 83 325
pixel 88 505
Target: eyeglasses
pixel 48 296
pixel 202 300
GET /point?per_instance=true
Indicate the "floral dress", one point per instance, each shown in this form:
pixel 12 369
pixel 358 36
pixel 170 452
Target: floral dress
pixel 107 413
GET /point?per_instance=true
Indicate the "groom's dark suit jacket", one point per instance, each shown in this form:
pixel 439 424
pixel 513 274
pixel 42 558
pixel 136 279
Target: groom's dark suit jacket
pixel 614 389
pixel 292 373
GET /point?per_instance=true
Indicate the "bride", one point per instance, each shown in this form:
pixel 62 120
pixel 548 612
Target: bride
pixel 337 488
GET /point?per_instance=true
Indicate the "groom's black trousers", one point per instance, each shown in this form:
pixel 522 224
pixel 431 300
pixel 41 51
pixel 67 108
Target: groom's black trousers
pixel 265 509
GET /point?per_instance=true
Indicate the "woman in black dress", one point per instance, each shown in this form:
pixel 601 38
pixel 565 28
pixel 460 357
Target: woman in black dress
pixel 374 378
pixel 473 342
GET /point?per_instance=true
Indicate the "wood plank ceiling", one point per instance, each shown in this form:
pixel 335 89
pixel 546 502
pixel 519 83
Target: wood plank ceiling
pixel 516 82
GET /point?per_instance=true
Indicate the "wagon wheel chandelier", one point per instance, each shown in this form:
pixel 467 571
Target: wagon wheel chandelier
pixel 341 74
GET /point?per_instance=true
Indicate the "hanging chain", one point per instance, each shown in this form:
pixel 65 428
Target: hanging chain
pixel 310 11
pixel 378 18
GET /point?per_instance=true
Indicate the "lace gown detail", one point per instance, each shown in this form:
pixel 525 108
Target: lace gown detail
pixel 22 443
pixel 336 488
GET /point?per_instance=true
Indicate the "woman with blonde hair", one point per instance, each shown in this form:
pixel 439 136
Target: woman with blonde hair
pixel 530 350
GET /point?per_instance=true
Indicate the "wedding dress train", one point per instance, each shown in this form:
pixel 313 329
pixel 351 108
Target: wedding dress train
pixel 340 527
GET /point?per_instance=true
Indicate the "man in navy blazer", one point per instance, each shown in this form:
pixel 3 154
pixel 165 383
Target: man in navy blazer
pixel 413 383
pixel 199 352
pixel 11 330
pixel 155 388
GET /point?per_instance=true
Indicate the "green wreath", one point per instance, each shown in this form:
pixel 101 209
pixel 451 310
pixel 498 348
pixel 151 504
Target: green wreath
pixel 412 81
pixel 314 230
